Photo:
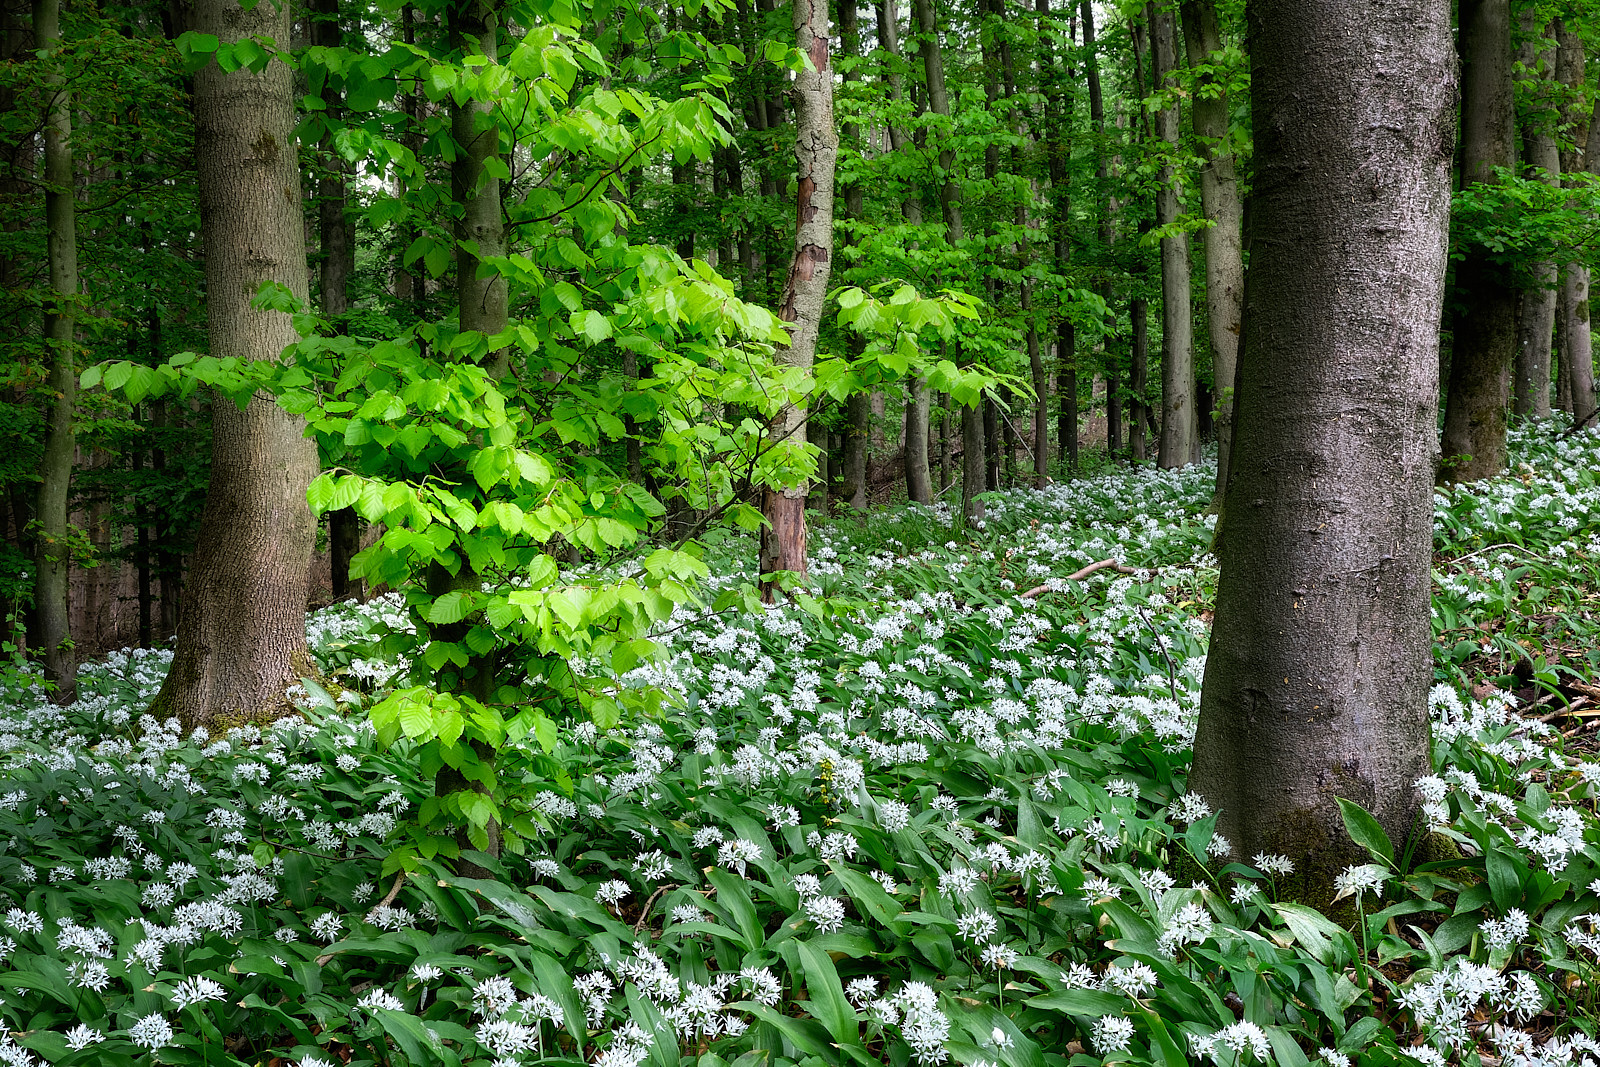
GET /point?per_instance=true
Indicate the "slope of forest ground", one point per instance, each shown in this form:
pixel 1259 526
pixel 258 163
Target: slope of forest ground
pixel 945 824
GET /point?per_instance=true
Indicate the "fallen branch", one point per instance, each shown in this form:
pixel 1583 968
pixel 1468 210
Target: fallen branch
pixel 1077 576
pixel 1569 710
pixel 394 890
pixel 645 914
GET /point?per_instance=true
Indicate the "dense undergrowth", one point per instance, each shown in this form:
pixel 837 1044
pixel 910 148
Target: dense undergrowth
pixel 937 829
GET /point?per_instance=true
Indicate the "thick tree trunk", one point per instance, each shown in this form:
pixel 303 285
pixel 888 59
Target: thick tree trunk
pixel 241 633
pixel 1536 316
pixel 1317 679
pixel 1180 437
pixel 783 541
pixel 52 556
pixel 1485 335
pixel 1220 199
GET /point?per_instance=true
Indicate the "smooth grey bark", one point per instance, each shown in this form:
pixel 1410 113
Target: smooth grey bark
pixel 1067 390
pixel 337 237
pixel 816 151
pixel 241 631
pixel 1138 376
pixel 919 476
pixel 1536 315
pixel 1317 678
pixel 1220 200
pixel 1180 432
pixel 972 463
pixel 1580 364
pixel 52 554
pixel 1572 298
pixel 1485 335
pixel 973 467
pixel 1103 210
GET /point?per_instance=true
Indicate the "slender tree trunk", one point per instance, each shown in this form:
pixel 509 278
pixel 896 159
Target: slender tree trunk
pixel 1097 126
pixel 241 633
pixel 1580 371
pixel 1485 335
pixel 1041 388
pixel 972 463
pixel 1067 392
pixel 991 443
pixel 1138 382
pixel 919 479
pixel 1536 316
pixel 1317 680
pixel 53 557
pixel 1220 199
pixel 783 541
pixel 336 232
pixel 1572 298
pixel 858 425
pixel 1180 438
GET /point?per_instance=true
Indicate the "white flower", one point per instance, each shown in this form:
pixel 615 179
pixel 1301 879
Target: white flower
pixel 425 972
pixel 826 912
pixel 380 998
pixel 1333 1057
pixel 999 955
pixel 326 927
pixel 1111 1033
pixel 612 892
pixel 81 1037
pixel 1367 878
pixel 152 1031
pixel 197 989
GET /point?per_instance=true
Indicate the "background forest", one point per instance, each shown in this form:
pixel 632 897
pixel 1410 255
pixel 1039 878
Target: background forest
pixel 759 473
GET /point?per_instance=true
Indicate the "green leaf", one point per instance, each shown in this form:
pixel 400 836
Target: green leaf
pixel 1365 831
pixel 828 1003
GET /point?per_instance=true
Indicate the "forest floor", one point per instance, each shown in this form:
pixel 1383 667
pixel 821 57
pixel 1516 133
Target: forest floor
pixel 936 825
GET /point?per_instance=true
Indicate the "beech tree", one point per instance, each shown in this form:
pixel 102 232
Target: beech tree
pixel 816 151
pixel 1474 442
pixel 1317 679
pixel 52 546
pixel 241 634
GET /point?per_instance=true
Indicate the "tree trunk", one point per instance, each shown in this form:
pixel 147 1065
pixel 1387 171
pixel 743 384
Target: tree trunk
pixel 241 632
pixel 1097 125
pixel 992 470
pixel 783 540
pixel 1180 438
pixel 1580 373
pixel 1572 299
pixel 972 466
pixel 1536 315
pixel 1219 198
pixel 858 424
pixel 1041 402
pixel 919 479
pixel 1067 392
pixel 1138 376
pixel 1317 679
pixel 336 234
pixel 1485 335
pixel 52 554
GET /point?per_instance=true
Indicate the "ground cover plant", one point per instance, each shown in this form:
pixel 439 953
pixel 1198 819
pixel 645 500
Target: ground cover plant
pixel 940 821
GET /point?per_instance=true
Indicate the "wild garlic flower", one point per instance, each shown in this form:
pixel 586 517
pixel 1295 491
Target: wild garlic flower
pixel 826 912
pixel 152 1031
pixel 1111 1033
pixel 1358 880
pixel 380 998
pixel 195 990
